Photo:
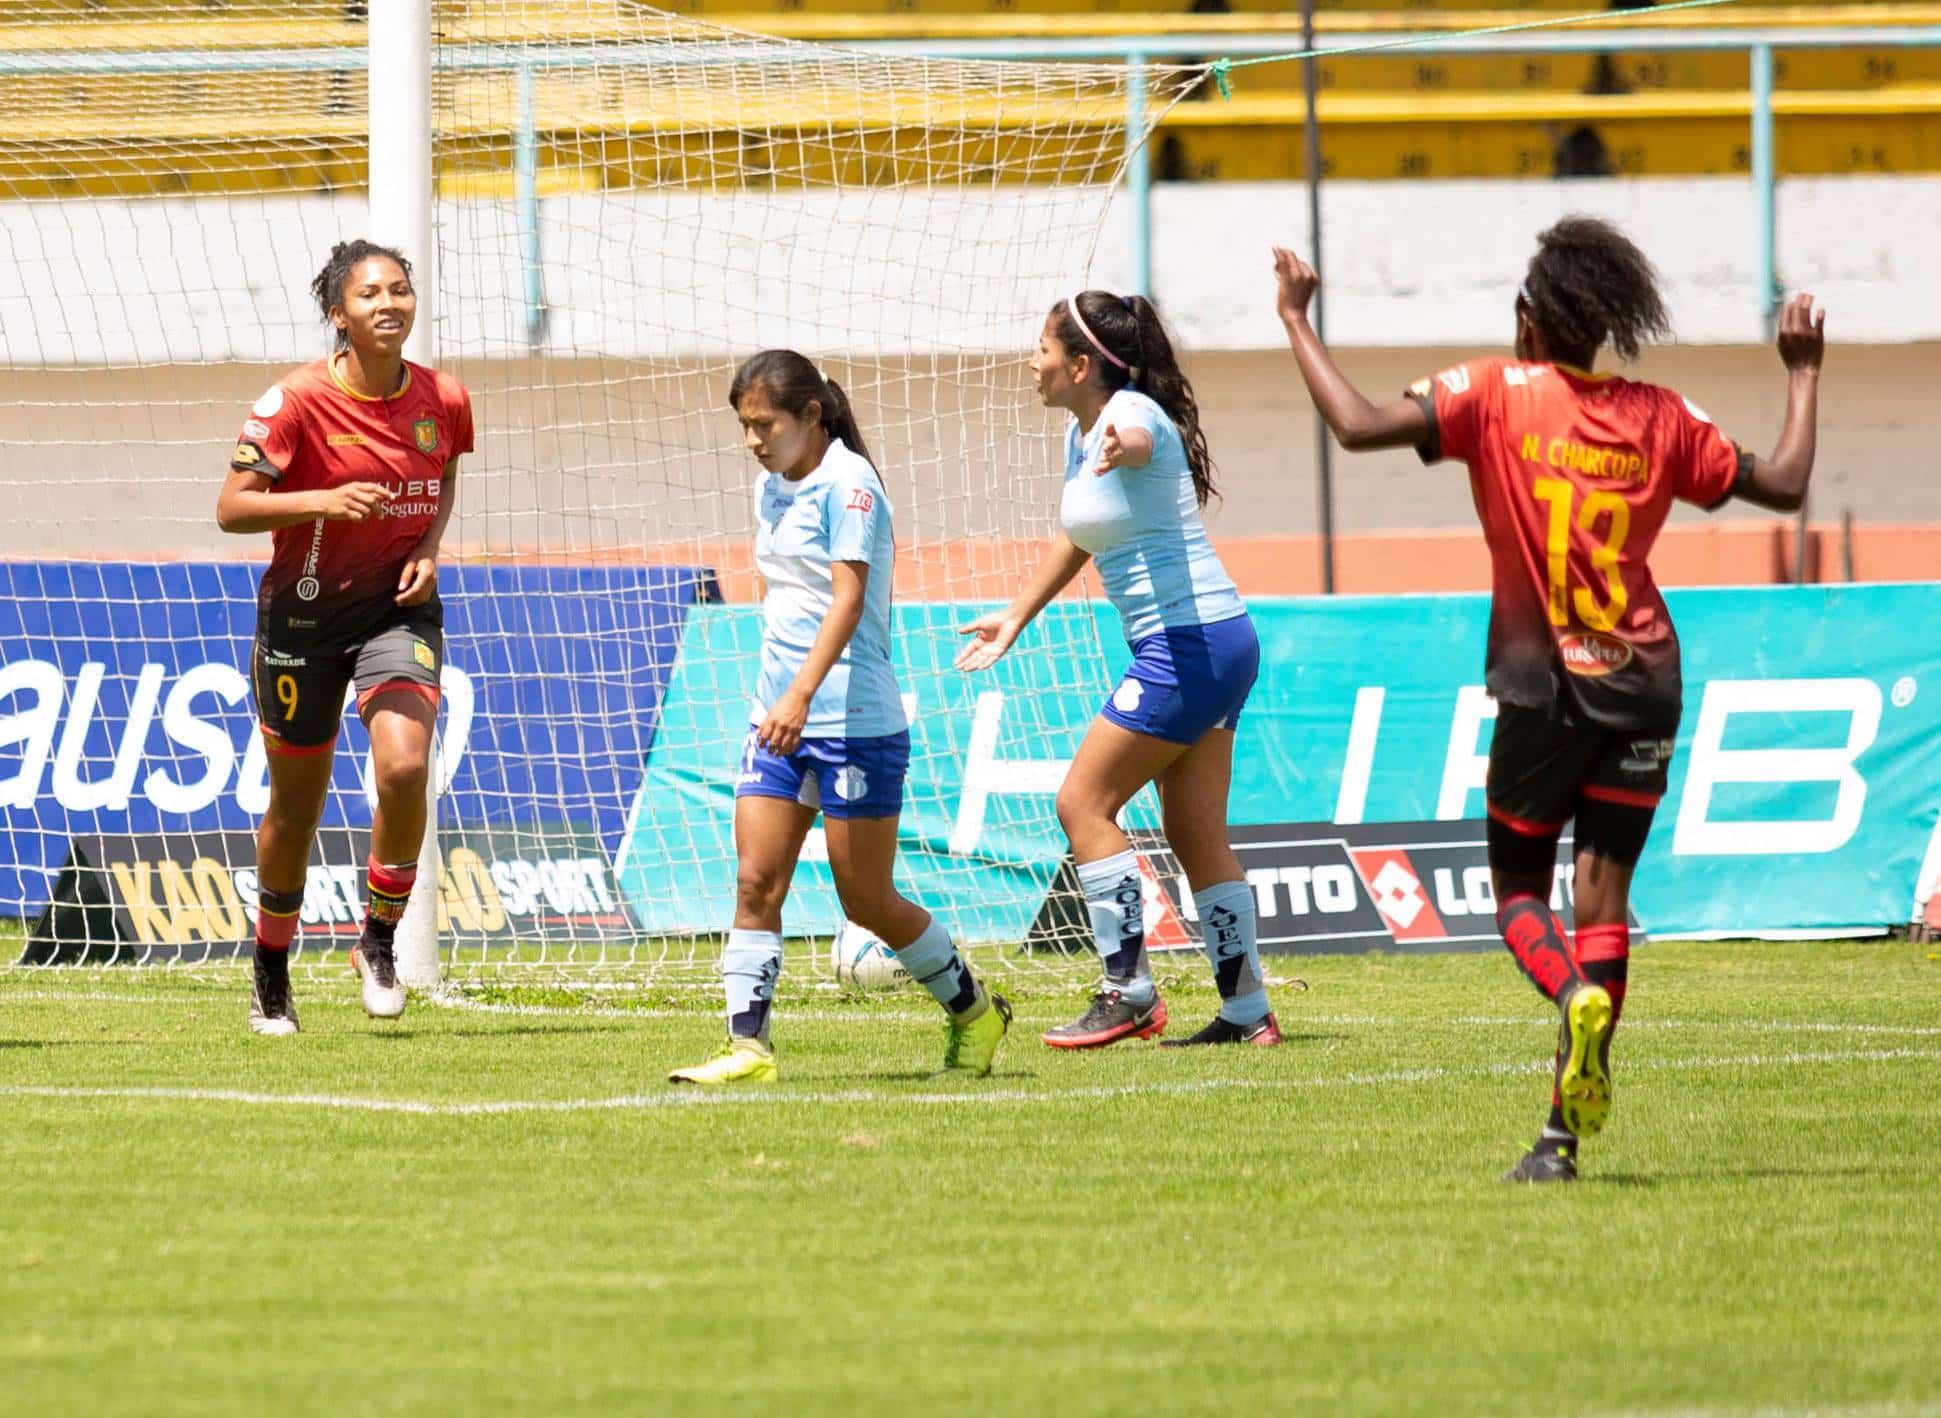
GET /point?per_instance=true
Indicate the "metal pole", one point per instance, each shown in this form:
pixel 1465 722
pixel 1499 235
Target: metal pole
pixel 1802 546
pixel 525 159
pixel 400 157
pixel 1323 444
pixel 1765 183
pixel 1139 175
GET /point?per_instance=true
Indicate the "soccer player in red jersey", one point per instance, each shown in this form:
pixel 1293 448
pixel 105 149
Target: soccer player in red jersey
pixel 350 463
pixel 1573 474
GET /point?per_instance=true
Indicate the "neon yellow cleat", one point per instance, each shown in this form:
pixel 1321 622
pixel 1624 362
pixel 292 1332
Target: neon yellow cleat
pixel 740 1061
pixel 971 1038
pixel 1584 1082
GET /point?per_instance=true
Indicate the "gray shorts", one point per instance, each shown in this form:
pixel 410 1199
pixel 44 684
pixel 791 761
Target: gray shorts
pixel 300 683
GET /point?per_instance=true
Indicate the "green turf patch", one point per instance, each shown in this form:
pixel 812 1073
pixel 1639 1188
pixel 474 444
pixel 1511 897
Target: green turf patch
pixel 499 1206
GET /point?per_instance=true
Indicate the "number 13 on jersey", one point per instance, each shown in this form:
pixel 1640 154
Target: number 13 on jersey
pixel 1615 513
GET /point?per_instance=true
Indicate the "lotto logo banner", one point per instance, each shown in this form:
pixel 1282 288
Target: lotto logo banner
pixel 192 896
pixel 125 705
pixel 1408 886
pixel 1319 889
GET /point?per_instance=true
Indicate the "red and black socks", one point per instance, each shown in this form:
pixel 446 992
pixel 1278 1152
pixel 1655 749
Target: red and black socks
pixel 389 893
pixel 277 913
pixel 1536 938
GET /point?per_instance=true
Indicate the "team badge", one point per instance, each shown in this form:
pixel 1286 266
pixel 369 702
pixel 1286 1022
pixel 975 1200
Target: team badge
pixel 1127 696
pixel 422 653
pixel 426 432
pixel 851 782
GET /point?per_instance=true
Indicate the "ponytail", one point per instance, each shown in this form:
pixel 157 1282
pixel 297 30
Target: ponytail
pixel 1132 350
pixel 793 383
pixel 839 420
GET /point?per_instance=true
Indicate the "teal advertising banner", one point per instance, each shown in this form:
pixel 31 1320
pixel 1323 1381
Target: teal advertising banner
pixel 1803 796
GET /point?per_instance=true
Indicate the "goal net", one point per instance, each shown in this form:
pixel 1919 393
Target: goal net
pixel 628 203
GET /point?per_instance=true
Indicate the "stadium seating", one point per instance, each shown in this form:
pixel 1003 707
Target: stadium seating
pixel 1383 116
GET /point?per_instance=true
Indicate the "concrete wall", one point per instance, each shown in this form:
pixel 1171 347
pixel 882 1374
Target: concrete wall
pixel 657 275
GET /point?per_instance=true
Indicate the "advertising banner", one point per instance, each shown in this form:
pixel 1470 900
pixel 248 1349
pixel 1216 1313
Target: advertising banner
pixel 127 732
pixel 1802 798
pixel 189 896
pixel 1326 889
pixel 598 709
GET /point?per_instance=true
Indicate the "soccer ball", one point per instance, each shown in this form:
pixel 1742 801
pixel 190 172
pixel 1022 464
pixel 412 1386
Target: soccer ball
pixel 863 963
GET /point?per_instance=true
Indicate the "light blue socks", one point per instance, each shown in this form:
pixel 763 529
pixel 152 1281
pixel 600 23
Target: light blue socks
pixel 1227 932
pixel 934 963
pixel 1116 901
pixel 749 968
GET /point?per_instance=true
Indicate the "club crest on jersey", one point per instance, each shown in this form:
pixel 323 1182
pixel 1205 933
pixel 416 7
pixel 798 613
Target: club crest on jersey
pixel 425 431
pixel 1591 653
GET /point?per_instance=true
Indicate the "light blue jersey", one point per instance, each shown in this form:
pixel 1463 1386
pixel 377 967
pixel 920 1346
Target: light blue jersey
pixel 837 513
pixel 1142 526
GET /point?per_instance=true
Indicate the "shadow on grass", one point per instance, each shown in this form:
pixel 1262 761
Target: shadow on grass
pixel 511 1032
pixel 1736 1174
pixel 999 1079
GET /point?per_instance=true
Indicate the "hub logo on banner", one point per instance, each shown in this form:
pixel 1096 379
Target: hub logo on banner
pixel 1810 755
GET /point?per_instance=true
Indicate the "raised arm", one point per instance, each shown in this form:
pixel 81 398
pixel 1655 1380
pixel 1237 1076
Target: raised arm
pixel 1358 423
pixel 1779 482
pixel 993 634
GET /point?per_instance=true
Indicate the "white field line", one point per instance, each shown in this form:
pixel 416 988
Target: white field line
pixel 1863 1410
pixel 970 1096
pixel 864 1016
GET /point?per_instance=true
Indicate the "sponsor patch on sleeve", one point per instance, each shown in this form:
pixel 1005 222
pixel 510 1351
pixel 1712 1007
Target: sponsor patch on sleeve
pixel 256 428
pixel 247 455
pixel 270 404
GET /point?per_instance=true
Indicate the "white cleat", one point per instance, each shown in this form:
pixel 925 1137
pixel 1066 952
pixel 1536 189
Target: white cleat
pixel 272 1006
pixel 377 966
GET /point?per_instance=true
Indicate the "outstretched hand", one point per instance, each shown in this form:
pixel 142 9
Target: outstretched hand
pixel 1112 452
pixel 1802 334
pixel 992 634
pixel 1296 282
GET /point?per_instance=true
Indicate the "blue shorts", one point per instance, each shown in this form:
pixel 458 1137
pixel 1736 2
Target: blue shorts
pixel 1184 681
pixel 840 777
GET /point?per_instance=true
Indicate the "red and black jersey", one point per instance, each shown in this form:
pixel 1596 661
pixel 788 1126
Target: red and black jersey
pixel 310 431
pixel 1573 475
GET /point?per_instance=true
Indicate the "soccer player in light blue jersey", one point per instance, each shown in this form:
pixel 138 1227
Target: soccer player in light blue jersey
pixel 1137 473
pixel 826 730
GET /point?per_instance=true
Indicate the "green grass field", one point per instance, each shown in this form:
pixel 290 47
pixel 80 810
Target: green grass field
pixel 508 1211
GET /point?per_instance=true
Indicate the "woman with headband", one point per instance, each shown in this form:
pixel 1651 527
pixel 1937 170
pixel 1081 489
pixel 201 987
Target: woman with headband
pixel 1137 474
